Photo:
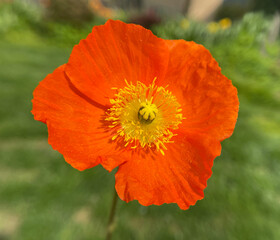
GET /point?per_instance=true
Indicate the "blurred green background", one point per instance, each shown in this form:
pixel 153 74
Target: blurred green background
pixel 42 197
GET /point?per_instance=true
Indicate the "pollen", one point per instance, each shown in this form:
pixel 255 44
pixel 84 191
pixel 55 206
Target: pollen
pixel 144 116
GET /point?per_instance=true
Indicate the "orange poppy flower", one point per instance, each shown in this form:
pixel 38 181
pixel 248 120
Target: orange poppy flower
pixel 156 109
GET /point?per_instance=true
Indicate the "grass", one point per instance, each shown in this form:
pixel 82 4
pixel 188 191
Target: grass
pixel 42 197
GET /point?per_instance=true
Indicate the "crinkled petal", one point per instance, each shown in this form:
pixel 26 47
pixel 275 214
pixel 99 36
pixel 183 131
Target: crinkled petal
pixel 75 123
pixel 179 176
pixel 112 53
pixel 209 100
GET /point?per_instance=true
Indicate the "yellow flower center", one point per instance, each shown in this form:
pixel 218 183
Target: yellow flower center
pixel 147 112
pixel 144 116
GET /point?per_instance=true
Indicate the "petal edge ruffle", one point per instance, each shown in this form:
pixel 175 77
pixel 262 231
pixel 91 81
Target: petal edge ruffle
pixel 75 123
pixel 178 177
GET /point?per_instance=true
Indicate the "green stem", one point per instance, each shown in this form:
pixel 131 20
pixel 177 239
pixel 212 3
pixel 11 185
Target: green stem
pixel 111 223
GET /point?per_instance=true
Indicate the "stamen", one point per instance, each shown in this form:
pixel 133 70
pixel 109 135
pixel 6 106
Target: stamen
pixel 144 116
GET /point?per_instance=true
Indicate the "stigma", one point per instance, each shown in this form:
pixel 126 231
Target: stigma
pixel 147 112
pixel 144 116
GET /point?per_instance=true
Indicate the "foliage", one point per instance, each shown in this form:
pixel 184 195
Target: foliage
pixel 8 18
pixel 22 17
pixel 253 27
pixel 18 15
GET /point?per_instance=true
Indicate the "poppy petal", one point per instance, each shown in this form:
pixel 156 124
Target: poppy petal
pixel 74 122
pixel 209 100
pixel 179 176
pixel 112 53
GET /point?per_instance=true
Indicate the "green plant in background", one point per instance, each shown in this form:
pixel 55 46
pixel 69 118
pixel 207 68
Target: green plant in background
pixel 31 21
pixel 18 15
pixel 252 29
pixel 8 18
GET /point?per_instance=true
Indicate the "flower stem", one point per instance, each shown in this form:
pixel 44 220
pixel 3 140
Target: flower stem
pixel 111 225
